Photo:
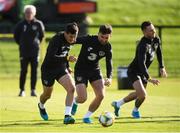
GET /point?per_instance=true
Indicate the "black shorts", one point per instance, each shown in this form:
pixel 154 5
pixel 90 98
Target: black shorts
pixel 48 76
pixel 133 76
pixel 82 76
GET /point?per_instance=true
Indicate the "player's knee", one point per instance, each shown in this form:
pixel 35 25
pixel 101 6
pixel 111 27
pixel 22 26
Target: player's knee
pixel 100 97
pixel 71 90
pixel 47 96
pixel 82 99
pixel 142 96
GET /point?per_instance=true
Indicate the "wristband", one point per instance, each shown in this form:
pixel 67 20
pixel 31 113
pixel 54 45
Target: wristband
pixel 68 58
pixel 149 79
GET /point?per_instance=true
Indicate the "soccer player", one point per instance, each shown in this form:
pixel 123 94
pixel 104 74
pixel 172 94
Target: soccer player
pixel 55 67
pixel 87 69
pixel 138 69
pixel 28 34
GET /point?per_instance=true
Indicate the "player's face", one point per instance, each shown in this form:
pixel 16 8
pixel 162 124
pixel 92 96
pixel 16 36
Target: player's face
pixel 70 38
pixel 103 38
pixel 29 14
pixel 150 31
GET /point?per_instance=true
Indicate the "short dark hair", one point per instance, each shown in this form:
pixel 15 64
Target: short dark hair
pixel 105 29
pixel 72 28
pixel 145 24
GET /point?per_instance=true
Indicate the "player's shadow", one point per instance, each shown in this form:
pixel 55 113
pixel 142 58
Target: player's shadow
pixel 154 119
pixel 59 122
pixel 51 122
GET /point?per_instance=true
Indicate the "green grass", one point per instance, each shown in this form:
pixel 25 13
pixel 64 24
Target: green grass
pixel 123 43
pixel 161 110
pixel 160 12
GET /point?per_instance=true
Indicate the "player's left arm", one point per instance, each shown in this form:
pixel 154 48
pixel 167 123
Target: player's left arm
pixel 108 80
pixel 160 60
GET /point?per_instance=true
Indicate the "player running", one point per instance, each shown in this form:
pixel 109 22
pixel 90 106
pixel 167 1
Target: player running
pixel 87 69
pixel 138 69
pixel 55 67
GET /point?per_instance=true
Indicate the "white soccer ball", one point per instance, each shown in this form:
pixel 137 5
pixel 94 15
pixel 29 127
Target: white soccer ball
pixel 106 119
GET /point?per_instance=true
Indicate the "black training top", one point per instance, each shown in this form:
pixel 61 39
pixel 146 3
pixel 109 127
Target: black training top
pixel 145 53
pixel 91 52
pixel 28 36
pixel 57 52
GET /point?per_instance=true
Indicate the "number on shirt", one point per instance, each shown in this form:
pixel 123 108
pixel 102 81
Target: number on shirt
pixel 92 56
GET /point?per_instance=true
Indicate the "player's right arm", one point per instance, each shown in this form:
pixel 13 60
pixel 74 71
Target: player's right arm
pixel 54 45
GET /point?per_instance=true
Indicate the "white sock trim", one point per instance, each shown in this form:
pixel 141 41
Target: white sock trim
pixel 41 105
pixel 120 102
pixel 68 110
pixel 135 109
pixel 88 114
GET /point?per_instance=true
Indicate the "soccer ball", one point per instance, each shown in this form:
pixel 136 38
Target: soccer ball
pixel 106 119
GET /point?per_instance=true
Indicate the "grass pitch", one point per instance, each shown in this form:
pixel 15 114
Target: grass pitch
pixel 161 110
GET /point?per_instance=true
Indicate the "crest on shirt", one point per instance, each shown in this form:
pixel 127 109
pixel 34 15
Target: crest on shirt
pixel 101 53
pixel 34 27
pixel 90 48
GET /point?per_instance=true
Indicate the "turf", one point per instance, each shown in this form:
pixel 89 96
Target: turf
pixel 161 110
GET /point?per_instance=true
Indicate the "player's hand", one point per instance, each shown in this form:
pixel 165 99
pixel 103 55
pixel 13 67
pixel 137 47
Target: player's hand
pixel 154 81
pixel 107 82
pixel 163 72
pixel 72 58
pixel 70 70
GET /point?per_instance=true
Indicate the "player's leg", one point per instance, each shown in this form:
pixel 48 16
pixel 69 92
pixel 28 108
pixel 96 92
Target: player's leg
pixel 131 96
pixel 81 93
pixel 81 80
pixel 22 79
pixel 80 98
pixel 99 91
pixel 47 91
pixel 47 78
pixel 68 83
pixel 141 95
pixel 34 66
pixel 117 104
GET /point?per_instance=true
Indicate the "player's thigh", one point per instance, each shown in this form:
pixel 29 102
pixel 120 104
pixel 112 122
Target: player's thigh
pixel 98 87
pixel 47 90
pixel 81 91
pixel 67 82
pixel 139 87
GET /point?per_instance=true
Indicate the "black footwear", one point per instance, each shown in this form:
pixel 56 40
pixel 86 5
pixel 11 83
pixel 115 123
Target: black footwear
pixel 69 120
pixel 21 93
pixel 33 94
pixel 43 113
